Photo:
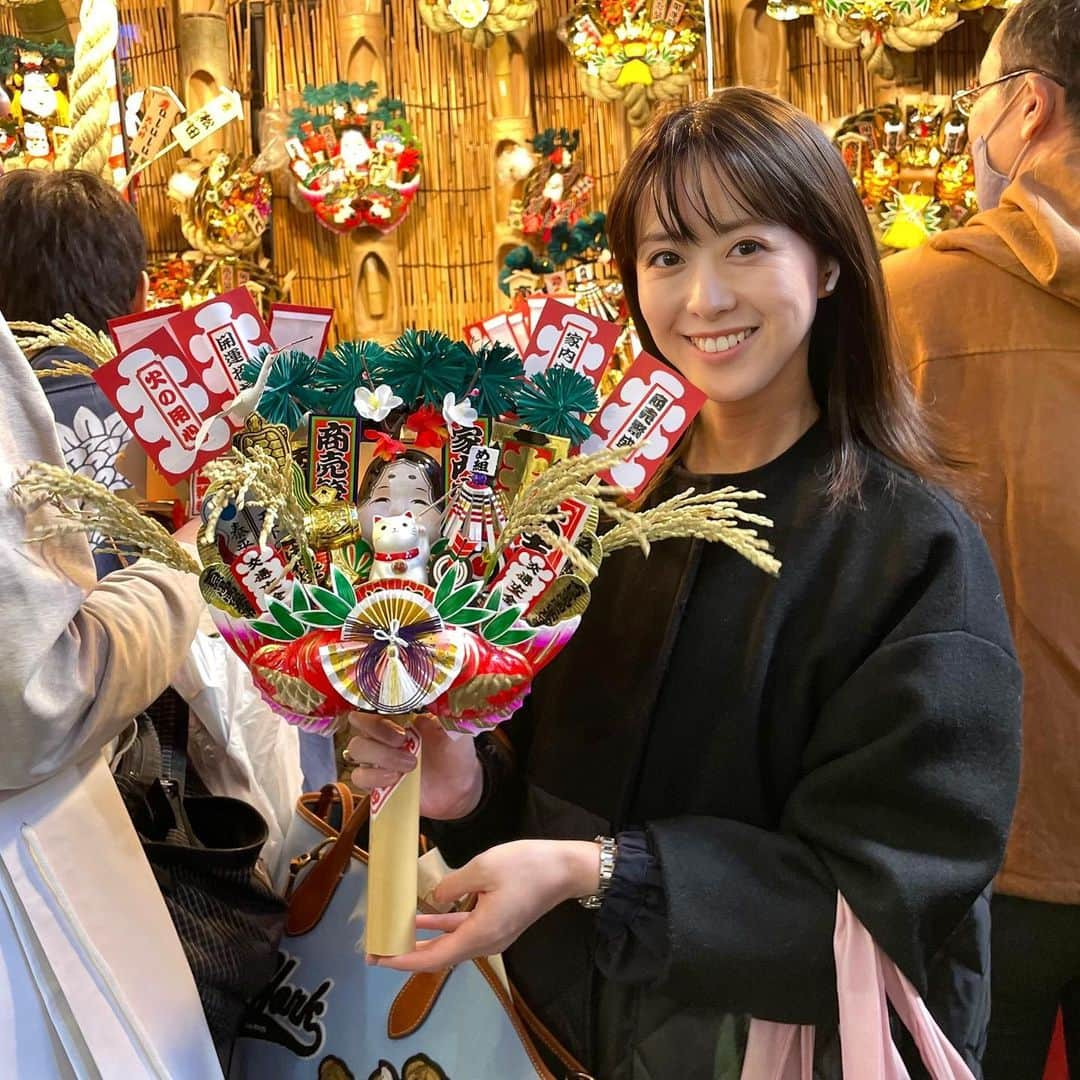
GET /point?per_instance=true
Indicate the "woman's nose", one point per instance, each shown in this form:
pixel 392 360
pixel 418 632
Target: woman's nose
pixel 710 292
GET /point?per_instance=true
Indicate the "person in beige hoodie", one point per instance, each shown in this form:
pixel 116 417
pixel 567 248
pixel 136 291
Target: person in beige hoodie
pixel 93 981
pixel 988 317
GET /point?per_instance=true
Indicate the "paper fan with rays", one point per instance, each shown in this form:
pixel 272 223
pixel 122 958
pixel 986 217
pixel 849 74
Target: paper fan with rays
pixel 396 655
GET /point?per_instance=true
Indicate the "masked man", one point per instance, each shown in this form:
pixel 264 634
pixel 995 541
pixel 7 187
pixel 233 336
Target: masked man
pixel 988 317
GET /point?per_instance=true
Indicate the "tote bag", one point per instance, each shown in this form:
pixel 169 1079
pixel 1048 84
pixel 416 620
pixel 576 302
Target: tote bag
pixel 867 982
pixel 326 1015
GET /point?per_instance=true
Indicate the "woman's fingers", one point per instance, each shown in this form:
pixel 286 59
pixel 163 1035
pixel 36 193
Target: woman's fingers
pixel 365 778
pixel 450 921
pixel 363 752
pixel 462 942
pixel 377 728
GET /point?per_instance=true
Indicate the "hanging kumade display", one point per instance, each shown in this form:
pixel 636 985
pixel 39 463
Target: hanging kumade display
pixel 224 210
pixel 558 187
pixel 911 167
pixel 35 77
pixel 876 26
pixel 355 159
pixel 479 22
pixel 639 52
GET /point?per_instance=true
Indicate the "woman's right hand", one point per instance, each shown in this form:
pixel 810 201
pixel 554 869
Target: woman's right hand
pixel 452 778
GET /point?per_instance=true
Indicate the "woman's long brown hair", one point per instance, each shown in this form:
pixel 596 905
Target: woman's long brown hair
pixel 778 166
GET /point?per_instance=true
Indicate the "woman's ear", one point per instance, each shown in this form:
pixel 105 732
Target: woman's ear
pixel 832 276
pixel 142 290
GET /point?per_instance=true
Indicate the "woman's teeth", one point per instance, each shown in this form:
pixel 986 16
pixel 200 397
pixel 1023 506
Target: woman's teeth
pixel 722 343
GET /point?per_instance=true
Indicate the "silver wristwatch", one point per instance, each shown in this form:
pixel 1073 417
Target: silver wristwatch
pixel 608 852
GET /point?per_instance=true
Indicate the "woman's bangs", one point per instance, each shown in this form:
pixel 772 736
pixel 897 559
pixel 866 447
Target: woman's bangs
pixel 678 190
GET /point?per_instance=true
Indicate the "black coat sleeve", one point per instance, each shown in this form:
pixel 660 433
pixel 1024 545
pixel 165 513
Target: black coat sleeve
pixel 904 803
pixel 497 817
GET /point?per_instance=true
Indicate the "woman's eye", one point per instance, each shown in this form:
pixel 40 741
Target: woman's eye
pixel 664 258
pixel 747 247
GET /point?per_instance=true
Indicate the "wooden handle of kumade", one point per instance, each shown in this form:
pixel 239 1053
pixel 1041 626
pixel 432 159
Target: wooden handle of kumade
pixel 392 865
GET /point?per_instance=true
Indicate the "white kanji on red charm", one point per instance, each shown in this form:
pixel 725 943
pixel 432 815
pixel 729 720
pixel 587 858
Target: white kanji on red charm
pixel 221 336
pixel 152 387
pixel 566 337
pixel 653 405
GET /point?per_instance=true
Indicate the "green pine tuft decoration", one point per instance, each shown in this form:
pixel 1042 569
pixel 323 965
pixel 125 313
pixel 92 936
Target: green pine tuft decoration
pixel 423 366
pixel 283 398
pixel 555 403
pixel 499 372
pixel 341 371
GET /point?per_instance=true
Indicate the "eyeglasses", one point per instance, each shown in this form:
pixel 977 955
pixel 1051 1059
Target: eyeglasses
pixel 965 100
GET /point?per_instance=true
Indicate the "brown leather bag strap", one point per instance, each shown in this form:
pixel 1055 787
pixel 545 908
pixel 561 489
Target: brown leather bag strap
pixel 313 893
pixel 332 793
pixel 414 1002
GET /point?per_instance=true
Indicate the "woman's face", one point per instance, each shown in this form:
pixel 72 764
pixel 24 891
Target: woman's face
pixel 732 309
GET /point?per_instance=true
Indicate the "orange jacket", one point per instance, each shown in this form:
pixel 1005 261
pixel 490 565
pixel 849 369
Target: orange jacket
pixel 988 318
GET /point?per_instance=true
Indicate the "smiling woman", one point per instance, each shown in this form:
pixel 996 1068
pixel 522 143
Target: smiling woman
pixel 749 266
pixel 753 746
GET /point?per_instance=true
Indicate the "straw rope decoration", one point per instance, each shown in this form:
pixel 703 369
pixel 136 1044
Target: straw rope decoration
pixel 90 144
pixel 478 28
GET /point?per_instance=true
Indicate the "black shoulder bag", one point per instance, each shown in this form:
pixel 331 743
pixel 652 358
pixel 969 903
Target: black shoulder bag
pixel 204 851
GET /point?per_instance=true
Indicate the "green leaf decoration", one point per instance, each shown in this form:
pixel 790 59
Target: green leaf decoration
pixel 469 616
pixel 283 398
pixel 447 583
pixel 272 631
pixel 318 617
pixel 440 548
pixel 423 366
pixel 500 624
pixel 459 599
pixel 555 402
pixel 299 597
pixel 338 375
pixel 342 586
pixel 285 619
pixel 494 601
pixel 499 370
pixel 514 637
pixel 331 603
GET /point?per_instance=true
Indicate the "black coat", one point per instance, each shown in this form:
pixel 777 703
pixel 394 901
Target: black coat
pixel 851 725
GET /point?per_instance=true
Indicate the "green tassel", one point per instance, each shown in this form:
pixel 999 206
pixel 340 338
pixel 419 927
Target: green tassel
pixel 423 366
pixel 340 373
pixel 555 403
pixel 499 373
pixel 282 400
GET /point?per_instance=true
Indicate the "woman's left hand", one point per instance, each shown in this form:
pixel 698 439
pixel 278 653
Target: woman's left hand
pixel 515 884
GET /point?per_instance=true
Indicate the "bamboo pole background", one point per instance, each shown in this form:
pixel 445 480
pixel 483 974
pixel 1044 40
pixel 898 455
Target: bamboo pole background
pixel 444 275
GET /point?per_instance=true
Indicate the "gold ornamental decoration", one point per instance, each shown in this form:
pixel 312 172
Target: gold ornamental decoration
pixel 877 26
pixel 639 52
pixel 479 22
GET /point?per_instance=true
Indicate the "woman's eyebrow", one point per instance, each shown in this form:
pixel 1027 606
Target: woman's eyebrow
pixel 661 236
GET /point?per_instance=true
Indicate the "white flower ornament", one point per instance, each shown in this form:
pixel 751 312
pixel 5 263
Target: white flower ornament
pixel 458 413
pixel 375 404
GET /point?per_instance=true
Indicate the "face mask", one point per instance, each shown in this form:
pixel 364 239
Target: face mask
pixel 990 184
